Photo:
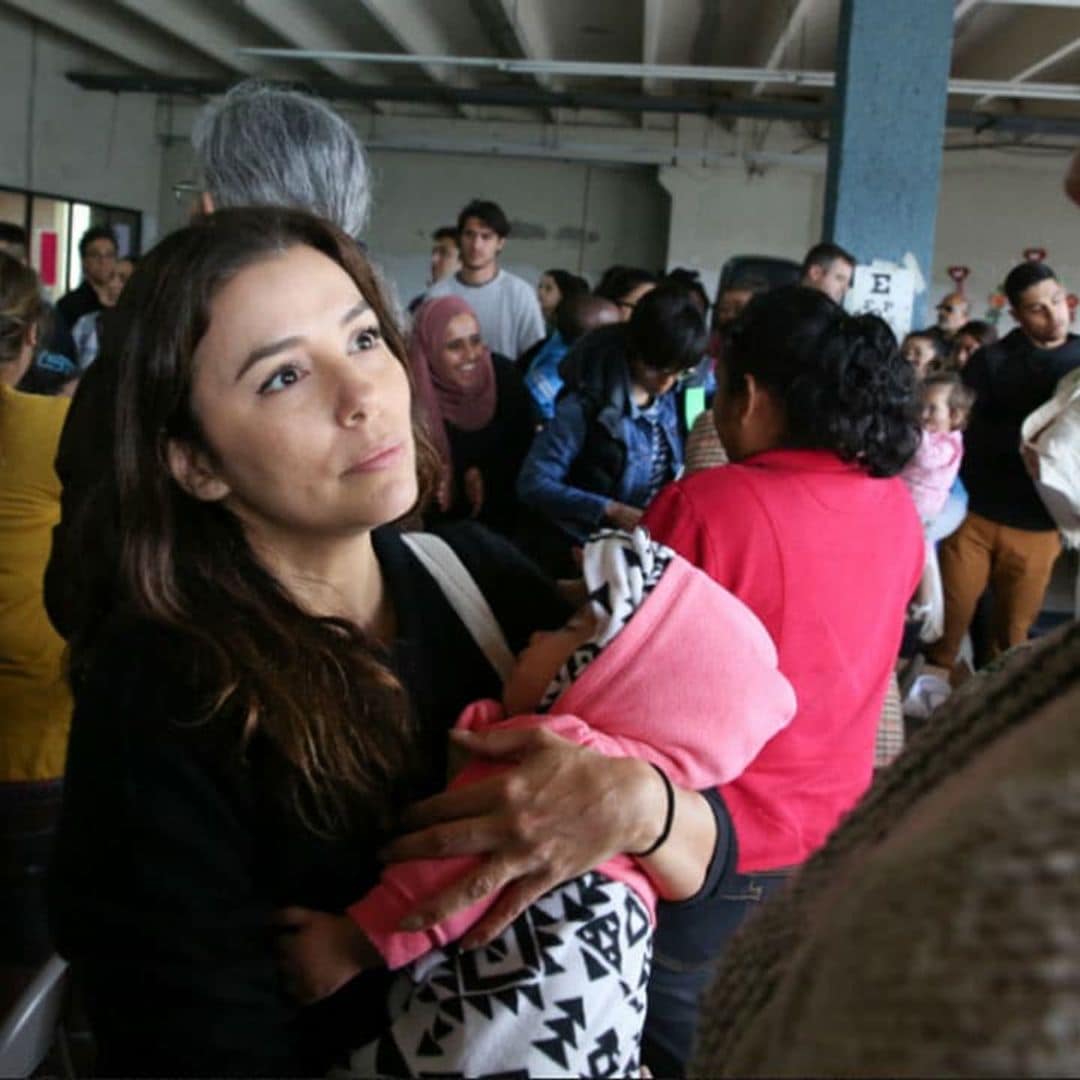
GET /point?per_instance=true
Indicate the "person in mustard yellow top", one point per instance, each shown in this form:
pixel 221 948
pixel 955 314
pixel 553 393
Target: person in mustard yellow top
pixel 35 703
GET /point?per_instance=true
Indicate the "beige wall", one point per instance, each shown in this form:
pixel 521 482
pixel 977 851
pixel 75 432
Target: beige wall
pixel 568 215
pixel 769 199
pixel 59 139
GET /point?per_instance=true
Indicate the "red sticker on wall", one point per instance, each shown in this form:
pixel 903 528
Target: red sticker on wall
pixel 47 247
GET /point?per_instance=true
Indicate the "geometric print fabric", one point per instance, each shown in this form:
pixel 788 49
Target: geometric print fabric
pixel 561 992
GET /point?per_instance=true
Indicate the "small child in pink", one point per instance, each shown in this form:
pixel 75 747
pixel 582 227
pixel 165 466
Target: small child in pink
pixel 930 474
pixel 661 664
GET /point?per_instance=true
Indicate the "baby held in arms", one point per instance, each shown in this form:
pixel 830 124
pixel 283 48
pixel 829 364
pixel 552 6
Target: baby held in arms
pixel 946 404
pixel 661 663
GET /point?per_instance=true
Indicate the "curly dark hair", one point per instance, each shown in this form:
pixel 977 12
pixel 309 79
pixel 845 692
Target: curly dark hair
pixel 841 379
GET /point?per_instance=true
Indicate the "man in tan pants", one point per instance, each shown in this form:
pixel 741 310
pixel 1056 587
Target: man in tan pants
pixel 1008 539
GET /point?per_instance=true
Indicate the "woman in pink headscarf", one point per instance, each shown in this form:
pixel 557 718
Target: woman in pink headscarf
pixel 478 411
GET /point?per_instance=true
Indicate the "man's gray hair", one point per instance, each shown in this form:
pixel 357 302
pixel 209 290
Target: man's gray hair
pixel 263 146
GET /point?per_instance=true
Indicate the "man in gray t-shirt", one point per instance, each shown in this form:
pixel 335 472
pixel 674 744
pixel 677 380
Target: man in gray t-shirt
pixel 506 306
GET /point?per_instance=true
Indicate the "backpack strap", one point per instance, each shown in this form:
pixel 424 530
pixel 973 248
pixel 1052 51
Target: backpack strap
pixel 462 593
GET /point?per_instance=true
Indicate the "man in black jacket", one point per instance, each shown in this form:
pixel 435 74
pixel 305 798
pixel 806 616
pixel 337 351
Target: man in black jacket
pixel 1008 538
pixel 97 249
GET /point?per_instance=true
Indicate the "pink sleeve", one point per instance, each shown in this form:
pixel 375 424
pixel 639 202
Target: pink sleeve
pixel 404 886
pixel 939 449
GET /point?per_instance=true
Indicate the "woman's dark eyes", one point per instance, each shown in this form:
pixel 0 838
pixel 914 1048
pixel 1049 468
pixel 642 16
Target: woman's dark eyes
pixel 290 374
pixel 282 378
pixel 367 338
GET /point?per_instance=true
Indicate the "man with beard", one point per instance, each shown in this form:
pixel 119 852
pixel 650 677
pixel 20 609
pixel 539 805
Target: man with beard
pixel 1008 539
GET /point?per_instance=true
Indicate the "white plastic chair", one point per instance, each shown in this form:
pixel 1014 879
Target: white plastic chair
pixel 30 1029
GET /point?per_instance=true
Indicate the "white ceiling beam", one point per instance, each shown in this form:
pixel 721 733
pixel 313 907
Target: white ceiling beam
pixel 411 25
pixel 111 32
pixel 217 41
pixel 294 21
pixel 798 15
pixel 650 43
pixel 1021 77
pixel 531 29
pixel 533 33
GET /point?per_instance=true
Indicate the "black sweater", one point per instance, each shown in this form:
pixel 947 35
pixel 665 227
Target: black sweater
pixel 172 856
pixel 1011 379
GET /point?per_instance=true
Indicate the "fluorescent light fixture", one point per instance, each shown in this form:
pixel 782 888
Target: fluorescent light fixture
pixel 580 68
pixel 589 69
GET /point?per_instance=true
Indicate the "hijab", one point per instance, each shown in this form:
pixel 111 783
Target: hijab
pixel 445 399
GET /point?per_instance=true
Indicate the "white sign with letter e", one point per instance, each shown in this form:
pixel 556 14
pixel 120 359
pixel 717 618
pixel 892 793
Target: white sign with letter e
pixel 886 290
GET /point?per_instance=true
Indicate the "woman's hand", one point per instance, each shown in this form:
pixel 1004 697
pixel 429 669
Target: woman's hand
pixel 622 516
pixel 318 953
pixel 473 485
pixel 562 811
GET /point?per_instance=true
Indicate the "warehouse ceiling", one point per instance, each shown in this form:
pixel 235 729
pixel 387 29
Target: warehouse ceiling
pixel 1015 65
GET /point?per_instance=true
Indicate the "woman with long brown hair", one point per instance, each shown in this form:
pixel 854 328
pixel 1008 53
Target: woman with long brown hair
pixel 265 676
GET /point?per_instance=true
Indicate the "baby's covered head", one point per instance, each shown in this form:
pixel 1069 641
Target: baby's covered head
pixel 661 655
pixel 620 570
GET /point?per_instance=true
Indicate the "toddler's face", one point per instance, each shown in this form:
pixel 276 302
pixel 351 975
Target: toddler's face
pixel 936 414
pixel 539 662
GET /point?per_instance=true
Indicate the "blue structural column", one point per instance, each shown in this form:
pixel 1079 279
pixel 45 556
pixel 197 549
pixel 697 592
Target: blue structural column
pixel 888 129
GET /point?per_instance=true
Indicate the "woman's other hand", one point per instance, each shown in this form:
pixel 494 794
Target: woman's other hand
pixel 561 812
pixel 318 953
pixel 473 484
pixel 622 516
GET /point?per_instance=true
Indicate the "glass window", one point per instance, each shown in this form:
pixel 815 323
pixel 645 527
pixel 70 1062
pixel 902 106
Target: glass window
pixel 49 242
pixel 55 225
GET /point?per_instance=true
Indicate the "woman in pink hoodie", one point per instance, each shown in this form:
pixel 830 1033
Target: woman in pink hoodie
pixel 662 664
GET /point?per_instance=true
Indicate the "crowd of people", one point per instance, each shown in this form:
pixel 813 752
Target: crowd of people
pixel 440 692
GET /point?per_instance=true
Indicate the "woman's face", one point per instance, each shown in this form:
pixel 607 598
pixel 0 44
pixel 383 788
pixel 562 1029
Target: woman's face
pixel 963 346
pixel 463 350
pixel 549 294
pixel 627 303
pixel 919 352
pixel 303 406
pixel 655 382
pixel 748 418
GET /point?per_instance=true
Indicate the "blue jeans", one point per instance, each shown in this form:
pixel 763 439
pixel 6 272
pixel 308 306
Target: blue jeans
pixel 685 959
pixel 951 516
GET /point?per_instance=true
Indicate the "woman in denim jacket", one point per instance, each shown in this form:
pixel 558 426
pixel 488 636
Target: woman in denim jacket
pixel 615 439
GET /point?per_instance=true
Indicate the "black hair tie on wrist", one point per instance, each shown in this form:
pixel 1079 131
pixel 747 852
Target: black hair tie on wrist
pixel 669 817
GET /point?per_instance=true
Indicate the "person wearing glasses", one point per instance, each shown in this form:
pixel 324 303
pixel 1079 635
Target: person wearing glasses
pixel 624 286
pixel 953 312
pixel 97 249
pixel 614 440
